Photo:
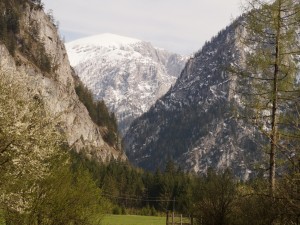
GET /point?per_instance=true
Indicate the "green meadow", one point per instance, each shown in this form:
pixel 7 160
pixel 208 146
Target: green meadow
pixel 132 220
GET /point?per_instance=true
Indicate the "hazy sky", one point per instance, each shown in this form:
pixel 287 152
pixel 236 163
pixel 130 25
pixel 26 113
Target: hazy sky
pixel 177 25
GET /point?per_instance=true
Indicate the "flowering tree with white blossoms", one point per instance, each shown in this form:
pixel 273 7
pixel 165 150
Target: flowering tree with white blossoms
pixel 28 142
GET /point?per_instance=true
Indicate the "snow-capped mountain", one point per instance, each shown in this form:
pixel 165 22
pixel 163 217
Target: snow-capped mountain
pixel 129 74
pixel 194 123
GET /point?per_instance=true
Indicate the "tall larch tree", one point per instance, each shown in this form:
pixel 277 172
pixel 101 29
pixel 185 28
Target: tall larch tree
pixel 269 36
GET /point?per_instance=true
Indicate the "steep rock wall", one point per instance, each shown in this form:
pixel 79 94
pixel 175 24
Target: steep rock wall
pixel 57 88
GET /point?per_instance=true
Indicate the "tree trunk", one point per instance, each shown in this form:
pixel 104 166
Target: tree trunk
pixel 274 118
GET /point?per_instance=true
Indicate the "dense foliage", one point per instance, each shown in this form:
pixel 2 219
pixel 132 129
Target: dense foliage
pixel 212 199
pixel 134 190
pixel 37 183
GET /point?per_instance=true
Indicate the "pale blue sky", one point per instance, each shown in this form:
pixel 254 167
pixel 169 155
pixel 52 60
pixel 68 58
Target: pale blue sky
pixel 180 26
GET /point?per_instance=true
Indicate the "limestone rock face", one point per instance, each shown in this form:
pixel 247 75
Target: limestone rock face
pixel 56 89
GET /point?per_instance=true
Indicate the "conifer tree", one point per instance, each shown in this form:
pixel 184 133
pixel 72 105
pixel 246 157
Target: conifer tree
pixel 269 36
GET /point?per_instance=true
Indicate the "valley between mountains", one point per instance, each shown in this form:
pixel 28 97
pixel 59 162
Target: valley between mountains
pixel 167 110
pixel 109 124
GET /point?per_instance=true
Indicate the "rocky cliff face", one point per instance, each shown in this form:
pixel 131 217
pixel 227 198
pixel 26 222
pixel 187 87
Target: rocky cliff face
pixel 56 88
pixel 129 74
pixel 194 124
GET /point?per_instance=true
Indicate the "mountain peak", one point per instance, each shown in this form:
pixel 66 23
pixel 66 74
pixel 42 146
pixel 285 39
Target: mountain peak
pixel 90 47
pixel 129 74
pixel 106 40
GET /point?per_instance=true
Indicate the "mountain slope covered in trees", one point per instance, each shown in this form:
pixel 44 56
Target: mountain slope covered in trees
pixel 194 124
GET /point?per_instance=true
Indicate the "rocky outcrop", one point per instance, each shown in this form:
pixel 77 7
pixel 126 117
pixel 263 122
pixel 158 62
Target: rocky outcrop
pixel 56 88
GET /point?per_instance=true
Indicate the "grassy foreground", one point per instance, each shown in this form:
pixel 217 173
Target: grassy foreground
pixel 123 220
pixel 132 220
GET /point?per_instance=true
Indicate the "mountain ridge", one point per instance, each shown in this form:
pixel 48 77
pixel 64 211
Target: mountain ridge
pixel 128 77
pixel 193 123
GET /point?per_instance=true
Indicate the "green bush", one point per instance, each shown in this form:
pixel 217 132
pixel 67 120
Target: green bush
pixel 117 210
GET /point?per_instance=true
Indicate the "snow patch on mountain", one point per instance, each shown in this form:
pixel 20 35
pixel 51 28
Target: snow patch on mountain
pixel 89 47
pixel 107 40
pixel 129 74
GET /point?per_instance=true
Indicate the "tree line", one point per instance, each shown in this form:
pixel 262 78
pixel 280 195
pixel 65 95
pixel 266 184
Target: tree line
pixel 133 190
pixel 216 198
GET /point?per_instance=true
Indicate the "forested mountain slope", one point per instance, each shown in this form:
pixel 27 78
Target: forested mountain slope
pixel 194 123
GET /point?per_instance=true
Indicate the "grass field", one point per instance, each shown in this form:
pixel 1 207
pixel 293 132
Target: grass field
pixel 124 220
pixel 132 220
